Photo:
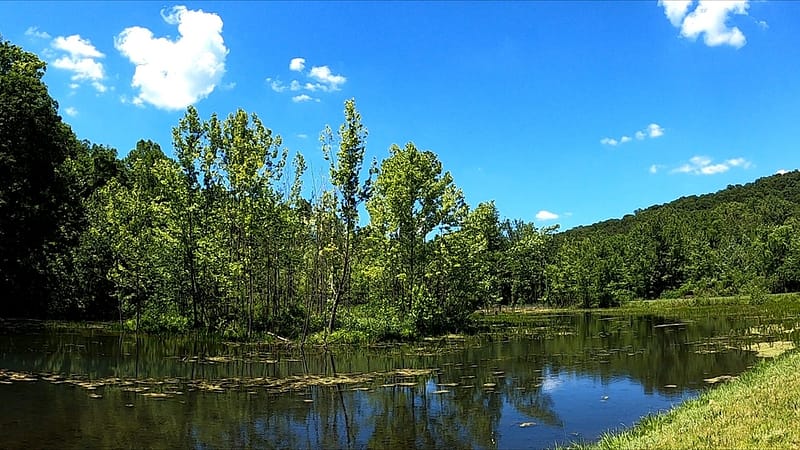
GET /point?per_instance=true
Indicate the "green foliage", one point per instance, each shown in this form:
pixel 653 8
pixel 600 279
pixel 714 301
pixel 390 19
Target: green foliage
pixel 35 206
pixel 222 238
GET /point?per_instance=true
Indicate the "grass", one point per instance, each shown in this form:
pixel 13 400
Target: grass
pixel 789 303
pixel 760 409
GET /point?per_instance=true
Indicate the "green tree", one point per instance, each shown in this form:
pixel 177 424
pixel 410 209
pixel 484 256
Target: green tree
pixel 34 143
pixel 412 197
pixel 351 191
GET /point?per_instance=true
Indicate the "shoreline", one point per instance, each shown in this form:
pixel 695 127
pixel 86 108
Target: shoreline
pixel 760 409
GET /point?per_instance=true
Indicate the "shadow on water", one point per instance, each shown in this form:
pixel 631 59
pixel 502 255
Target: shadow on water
pixel 553 379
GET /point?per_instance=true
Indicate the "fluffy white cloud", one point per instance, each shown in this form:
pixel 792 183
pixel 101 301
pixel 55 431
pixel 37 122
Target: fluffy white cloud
pixel 70 111
pixel 709 19
pixel 702 165
pixel 675 10
pixel 76 46
pixel 80 59
pixel 327 80
pixel 172 74
pixel 34 32
pixel 546 215
pixel 297 64
pixel 302 98
pixel 654 130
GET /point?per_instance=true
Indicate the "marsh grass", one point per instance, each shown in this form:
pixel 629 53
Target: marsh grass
pixel 760 409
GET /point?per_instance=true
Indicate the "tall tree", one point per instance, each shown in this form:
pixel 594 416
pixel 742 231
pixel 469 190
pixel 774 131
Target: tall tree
pixel 345 172
pixel 412 198
pixel 34 143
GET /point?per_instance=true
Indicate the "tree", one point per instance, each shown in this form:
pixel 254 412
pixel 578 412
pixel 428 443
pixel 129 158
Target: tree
pixel 345 171
pixel 412 197
pixel 34 143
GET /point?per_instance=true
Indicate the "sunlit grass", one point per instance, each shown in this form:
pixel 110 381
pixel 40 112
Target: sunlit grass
pixel 760 409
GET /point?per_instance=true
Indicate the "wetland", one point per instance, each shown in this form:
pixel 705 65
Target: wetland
pixel 533 380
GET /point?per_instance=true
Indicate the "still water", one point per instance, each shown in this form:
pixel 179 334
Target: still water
pixel 553 380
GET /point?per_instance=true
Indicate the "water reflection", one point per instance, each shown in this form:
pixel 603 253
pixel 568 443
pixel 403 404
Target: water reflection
pixel 557 379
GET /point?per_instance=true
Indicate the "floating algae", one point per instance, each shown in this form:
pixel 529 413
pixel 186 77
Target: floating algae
pixel 771 349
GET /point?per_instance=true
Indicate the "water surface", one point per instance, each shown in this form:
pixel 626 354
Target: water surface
pixel 553 380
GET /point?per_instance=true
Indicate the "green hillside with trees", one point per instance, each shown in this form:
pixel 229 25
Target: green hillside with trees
pixel 225 237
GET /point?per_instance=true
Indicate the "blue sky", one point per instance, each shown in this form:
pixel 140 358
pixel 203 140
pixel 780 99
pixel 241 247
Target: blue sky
pixel 561 112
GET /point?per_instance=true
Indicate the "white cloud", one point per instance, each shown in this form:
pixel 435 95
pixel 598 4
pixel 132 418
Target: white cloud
pixel 609 141
pixel 763 24
pixel 70 111
pixel 34 32
pixel 319 79
pixel 546 215
pixel 172 74
pixel 297 64
pixel 276 85
pixel 709 19
pixel 302 98
pixel 328 80
pixel 302 135
pixel 702 165
pixel 80 59
pixel 675 10
pixel 76 46
pixel 655 168
pixel 654 130
pixel 781 172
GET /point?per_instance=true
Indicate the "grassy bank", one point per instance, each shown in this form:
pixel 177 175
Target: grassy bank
pixel 789 303
pixel 761 409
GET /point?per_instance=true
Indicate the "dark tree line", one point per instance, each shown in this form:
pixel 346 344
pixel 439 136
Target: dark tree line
pixel 224 237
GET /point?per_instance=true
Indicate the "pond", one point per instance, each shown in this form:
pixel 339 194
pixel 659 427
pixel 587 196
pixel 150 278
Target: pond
pixel 552 379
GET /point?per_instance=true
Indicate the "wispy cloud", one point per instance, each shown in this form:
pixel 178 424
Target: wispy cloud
pixel 652 131
pixel 703 165
pixel 318 79
pixel 70 111
pixel 80 57
pixel 36 33
pixel 546 215
pixel 302 98
pixel 609 141
pixel 172 74
pixel 709 18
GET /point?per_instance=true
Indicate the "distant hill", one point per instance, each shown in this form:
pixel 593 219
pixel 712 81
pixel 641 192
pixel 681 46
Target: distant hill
pixel 744 239
pixel 766 190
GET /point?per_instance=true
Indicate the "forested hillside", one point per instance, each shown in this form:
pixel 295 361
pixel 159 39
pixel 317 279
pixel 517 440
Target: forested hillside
pixel 741 239
pixel 225 237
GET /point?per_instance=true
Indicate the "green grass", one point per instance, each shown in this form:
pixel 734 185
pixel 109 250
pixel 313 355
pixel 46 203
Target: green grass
pixel 760 409
pixel 775 303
